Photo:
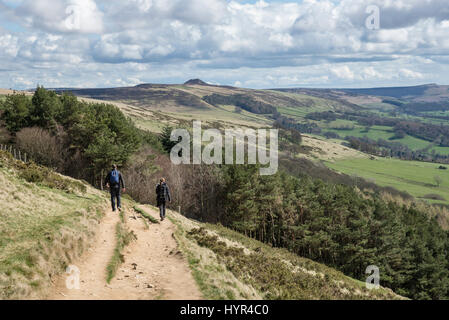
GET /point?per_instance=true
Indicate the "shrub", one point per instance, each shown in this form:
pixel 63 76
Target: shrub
pixel 43 147
pixel 32 174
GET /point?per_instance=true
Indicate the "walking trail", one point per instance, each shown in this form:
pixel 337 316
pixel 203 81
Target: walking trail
pixel 153 268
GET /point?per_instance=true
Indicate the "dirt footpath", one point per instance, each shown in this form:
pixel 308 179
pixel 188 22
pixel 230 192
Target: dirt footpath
pixel 153 268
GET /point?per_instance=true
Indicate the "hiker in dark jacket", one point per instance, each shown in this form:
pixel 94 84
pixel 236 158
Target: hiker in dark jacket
pixel 163 195
pixel 114 181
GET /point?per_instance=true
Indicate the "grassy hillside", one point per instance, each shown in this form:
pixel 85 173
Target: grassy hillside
pixel 150 104
pixel 229 265
pixel 375 133
pixel 416 178
pixel 153 106
pixel 46 221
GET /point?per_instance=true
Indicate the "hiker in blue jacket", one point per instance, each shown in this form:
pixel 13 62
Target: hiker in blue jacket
pixel 163 195
pixel 114 181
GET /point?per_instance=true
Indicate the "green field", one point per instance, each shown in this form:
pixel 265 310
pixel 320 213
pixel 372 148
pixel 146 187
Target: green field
pixel 378 132
pixel 375 133
pixel 441 150
pixel 296 113
pixel 416 178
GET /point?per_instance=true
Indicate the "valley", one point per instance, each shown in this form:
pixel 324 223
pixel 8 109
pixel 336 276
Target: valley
pixel 357 185
pixel 328 119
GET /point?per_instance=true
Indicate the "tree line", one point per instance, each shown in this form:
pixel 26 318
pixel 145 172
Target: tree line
pixel 76 138
pixel 333 224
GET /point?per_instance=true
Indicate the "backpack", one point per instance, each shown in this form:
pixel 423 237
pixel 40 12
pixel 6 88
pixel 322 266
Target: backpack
pixel 161 191
pixel 115 177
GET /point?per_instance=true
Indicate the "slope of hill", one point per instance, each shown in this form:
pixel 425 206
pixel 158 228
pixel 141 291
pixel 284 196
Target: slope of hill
pixel 192 100
pixel 46 220
pixel 65 222
pixel 313 147
pixel 229 265
pixel 421 93
pixel 327 118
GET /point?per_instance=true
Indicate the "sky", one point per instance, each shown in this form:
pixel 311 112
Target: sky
pixel 251 43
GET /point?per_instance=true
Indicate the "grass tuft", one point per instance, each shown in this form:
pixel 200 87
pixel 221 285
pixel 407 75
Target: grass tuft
pixel 146 215
pixel 123 237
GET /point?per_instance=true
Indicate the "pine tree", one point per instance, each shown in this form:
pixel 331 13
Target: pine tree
pixel 165 139
pixel 47 108
pixel 17 110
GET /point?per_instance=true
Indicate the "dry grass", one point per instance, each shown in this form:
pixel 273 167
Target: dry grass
pixel 42 230
pixel 211 275
pixel 327 150
pixel 154 117
pixel 7 92
pixel 228 265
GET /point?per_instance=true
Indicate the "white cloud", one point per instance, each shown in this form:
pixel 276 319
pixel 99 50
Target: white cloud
pixel 67 16
pixel 343 72
pixel 372 73
pixel 410 74
pixel 261 44
pixel 8 45
pixel 22 82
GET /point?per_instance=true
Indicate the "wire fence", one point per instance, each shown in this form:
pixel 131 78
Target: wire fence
pixel 16 153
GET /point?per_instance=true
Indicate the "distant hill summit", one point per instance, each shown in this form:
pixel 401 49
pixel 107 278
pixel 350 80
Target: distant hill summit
pixel 197 82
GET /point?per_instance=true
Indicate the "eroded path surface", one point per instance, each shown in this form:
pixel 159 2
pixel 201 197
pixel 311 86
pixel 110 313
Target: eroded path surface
pixel 153 267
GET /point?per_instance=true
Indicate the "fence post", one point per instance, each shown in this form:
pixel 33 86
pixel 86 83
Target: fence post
pixel 179 209
pixel 25 158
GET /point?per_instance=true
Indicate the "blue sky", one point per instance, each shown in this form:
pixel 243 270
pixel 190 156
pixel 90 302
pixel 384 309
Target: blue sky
pixel 254 43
